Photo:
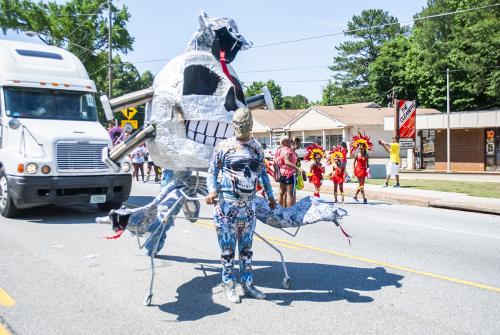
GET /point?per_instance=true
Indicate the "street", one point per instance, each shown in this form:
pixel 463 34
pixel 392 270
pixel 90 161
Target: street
pixel 409 270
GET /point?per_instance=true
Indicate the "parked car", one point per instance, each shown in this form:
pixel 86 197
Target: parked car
pixel 301 152
pixel 269 152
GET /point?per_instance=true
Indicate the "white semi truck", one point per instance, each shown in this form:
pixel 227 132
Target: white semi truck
pixel 51 143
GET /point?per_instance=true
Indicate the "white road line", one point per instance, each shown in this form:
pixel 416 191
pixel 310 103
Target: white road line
pixel 399 222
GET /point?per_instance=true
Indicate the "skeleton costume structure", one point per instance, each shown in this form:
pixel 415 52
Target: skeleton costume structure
pixel 195 98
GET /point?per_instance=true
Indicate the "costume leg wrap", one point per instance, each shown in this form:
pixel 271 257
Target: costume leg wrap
pixel 246 265
pixel 225 223
pixel 227 260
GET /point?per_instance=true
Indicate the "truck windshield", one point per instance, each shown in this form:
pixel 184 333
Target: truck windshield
pixel 49 104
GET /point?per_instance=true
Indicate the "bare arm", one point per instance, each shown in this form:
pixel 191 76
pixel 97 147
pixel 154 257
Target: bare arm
pixel 290 164
pixel 385 145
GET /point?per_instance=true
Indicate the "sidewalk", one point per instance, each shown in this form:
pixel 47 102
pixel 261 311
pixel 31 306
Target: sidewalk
pixel 416 197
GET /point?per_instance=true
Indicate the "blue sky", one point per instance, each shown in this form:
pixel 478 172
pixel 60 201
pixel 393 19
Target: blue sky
pixel 162 29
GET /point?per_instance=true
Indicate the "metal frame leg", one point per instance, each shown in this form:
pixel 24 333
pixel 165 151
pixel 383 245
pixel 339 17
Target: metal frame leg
pixel 286 280
pixel 163 225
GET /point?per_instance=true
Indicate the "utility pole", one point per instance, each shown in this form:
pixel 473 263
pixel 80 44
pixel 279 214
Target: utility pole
pixel 396 112
pixel 110 56
pixel 448 167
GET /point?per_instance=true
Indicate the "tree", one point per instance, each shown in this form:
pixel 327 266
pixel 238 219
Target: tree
pixel 389 71
pixel 275 90
pixel 370 30
pixel 466 43
pixel 80 26
pixel 295 102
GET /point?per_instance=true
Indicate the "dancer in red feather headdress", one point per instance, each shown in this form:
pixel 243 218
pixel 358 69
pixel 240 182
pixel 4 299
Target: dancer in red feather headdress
pixel 337 155
pixel 315 153
pixel 361 161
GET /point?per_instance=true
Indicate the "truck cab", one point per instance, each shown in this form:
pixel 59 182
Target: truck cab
pixel 51 142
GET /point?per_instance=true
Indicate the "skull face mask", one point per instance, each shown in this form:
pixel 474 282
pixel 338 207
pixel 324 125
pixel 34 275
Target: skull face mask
pixel 195 97
pixel 242 123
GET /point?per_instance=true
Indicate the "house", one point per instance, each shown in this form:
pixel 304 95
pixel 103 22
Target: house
pixel 330 125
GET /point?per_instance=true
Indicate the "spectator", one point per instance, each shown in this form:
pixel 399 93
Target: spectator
pixel 152 166
pixel 286 158
pixel 138 156
pixel 392 168
pixel 301 175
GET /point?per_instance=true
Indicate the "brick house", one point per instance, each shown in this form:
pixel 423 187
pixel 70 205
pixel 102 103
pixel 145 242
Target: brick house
pixel 474 140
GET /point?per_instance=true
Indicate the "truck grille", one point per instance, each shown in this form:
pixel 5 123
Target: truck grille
pixel 73 156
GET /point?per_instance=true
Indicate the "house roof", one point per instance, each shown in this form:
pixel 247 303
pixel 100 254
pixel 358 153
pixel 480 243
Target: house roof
pixel 276 118
pixel 366 113
pixel 354 114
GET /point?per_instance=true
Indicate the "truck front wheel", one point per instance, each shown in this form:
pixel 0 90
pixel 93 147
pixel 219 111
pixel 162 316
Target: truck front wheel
pixel 7 207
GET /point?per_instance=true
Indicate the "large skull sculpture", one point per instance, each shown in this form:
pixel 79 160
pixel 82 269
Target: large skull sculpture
pixel 194 99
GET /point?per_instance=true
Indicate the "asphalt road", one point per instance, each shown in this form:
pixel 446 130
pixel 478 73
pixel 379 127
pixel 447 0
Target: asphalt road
pixel 409 270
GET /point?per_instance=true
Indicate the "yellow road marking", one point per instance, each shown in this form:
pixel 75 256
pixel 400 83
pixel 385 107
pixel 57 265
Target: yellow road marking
pixel 4 331
pixel 205 224
pixel 291 245
pixel 384 264
pixel 6 299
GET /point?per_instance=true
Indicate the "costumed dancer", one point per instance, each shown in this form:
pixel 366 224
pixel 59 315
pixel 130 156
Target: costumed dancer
pixel 240 162
pixel 336 158
pixel 315 153
pixel 361 161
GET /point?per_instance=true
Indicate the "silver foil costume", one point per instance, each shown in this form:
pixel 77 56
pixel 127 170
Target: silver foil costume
pixel 195 96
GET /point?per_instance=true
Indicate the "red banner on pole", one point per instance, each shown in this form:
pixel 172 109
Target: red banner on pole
pixel 407 122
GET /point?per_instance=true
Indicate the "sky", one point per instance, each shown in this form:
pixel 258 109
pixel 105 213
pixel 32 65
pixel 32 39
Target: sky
pixel 162 29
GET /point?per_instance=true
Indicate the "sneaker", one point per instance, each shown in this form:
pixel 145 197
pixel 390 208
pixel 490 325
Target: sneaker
pixel 365 201
pixel 385 185
pixel 355 199
pixel 396 186
pixel 231 294
pixel 252 292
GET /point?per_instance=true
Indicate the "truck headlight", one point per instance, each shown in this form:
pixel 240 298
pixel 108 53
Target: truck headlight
pixel 31 168
pixel 125 167
pixel 45 169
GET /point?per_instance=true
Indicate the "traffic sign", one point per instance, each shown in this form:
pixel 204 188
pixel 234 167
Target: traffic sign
pixel 406 143
pixel 133 123
pixel 129 112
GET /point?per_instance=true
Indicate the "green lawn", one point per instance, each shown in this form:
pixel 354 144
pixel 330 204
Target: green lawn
pixel 479 189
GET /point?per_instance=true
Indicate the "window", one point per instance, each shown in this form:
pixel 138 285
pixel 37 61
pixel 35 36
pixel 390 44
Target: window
pixel 39 54
pixel 50 104
pixel 264 141
pixel 314 139
pixel 332 140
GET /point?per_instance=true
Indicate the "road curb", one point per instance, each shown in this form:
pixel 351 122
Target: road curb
pixel 403 199
pixel 450 204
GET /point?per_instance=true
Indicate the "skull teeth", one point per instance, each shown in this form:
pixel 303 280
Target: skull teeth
pixel 208 132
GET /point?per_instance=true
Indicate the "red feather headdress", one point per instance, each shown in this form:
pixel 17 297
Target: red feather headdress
pixel 361 138
pixel 338 152
pixel 313 150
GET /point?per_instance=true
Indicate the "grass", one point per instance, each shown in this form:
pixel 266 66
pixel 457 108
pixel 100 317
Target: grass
pixel 478 189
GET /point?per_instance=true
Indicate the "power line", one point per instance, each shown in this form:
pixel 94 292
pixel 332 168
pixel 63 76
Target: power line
pixel 377 26
pixel 333 34
pixel 287 69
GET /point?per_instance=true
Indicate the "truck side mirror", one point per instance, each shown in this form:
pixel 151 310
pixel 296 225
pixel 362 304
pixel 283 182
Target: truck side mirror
pixel 107 107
